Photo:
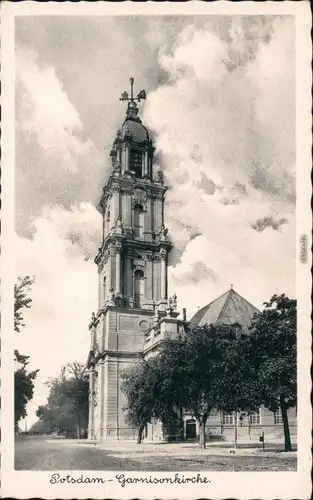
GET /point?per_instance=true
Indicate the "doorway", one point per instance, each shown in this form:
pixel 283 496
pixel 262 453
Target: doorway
pixel 191 429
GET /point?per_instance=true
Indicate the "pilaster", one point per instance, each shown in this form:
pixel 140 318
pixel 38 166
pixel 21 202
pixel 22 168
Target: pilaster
pixel 102 399
pixel 163 255
pixel 118 250
pixel 91 422
pixel 109 282
pixel 127 211
pixel 115 204
pixel 148 220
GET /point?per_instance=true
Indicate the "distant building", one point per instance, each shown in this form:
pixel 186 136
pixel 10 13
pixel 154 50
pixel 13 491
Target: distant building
pixel 134 311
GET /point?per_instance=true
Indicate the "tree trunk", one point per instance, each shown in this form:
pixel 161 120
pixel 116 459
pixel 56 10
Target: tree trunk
pixel 181 423
pixel 235 430
pixel 286 426
pixel 202 422
pixel 140 433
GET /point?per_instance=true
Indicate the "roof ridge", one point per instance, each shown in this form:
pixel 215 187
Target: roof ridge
pixel 218 298
pixel 224 305
pixel 210 303
pixel 243 298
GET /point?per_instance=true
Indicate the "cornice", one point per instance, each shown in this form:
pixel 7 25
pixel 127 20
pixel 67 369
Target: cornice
pixel 106 354
pixel 126 184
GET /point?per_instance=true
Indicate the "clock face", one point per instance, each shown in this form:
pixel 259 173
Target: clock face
pixel 144 325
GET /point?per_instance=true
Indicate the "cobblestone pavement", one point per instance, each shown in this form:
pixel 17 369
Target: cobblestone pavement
pixel 38 453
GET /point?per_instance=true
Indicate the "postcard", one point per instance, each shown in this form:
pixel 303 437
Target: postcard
pixel 156 236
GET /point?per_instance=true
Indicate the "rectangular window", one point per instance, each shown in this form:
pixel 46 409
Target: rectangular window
pixel 255 417
pixel 228 419
pixel 278 419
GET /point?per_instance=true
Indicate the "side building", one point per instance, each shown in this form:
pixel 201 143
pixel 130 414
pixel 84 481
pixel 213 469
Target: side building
pixel 230 309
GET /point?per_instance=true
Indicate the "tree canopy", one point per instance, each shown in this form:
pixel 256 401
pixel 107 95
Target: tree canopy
pixel 145 398
pixel 190 372
pixel 206 372
pixel 66 411
pixel 23 387
pixel 274 347
pixel 23 379
pixel 218 368
pixel 22 300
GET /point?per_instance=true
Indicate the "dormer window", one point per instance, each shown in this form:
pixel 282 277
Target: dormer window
pixel 136 162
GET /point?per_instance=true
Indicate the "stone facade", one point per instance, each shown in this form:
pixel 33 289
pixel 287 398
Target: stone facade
pixel 134 312
pixel 222 428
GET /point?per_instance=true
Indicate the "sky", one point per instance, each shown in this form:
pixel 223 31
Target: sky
pixel 221 110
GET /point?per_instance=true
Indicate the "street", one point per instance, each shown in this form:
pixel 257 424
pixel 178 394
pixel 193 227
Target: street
pixel 46 453
pixel 37 453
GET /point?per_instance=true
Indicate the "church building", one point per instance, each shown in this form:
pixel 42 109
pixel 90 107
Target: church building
pixel 134 311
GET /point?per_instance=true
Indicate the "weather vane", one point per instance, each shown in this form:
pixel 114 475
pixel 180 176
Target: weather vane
pixel 131 99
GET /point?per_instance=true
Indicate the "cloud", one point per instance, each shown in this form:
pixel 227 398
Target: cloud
pixel 64 293
pixel 266 222
pixel 222 141
pixel 45 110
pixel 199 271
pixel 52 150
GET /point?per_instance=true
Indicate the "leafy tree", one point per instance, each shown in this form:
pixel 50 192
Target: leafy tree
pixel 142 385
pixel 67 408
pixel 213 368
pixel 22 300
pixel 200 368
pixel 274 356
pixel 23 380
pixel 200 372
pixel 23 388
pixel 240 393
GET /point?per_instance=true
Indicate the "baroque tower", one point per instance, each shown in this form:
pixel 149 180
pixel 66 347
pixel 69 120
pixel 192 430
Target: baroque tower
pixel 132 270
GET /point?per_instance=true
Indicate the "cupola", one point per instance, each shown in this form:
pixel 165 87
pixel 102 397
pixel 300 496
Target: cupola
pixel 132 151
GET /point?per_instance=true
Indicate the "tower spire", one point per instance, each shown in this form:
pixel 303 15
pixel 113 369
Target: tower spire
pixel 131 88
pixel 132 108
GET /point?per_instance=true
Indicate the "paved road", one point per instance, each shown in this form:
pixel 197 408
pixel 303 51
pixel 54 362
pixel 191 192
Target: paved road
pixel 47 454
pixel 37 453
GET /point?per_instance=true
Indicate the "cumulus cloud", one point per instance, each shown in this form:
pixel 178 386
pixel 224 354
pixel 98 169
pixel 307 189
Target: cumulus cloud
pixel 224 145
pixel 64 292
pixel 262 224
pixel 51 146
pixel 199 271
pixel 46 110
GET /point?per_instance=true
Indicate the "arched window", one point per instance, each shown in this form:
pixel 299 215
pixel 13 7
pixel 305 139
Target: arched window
pixel 138 220
pixel 139 287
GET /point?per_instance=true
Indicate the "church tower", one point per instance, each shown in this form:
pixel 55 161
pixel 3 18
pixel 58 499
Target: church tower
pixel 132 270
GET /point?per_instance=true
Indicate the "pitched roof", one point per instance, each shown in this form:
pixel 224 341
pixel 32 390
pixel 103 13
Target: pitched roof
pixel 228 309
